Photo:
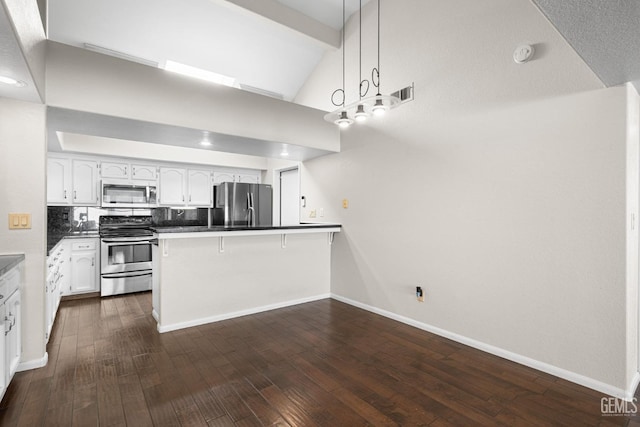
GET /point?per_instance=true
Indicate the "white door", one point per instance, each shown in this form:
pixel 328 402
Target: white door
pixel 289 197
pixel 13 344
pixel 83 271
pixel 220 177
pixel 248 177
pixel 58 181
pixel 172 186
pixel 114 170
pixel 200 188
pixel 85 182
pixel 143 172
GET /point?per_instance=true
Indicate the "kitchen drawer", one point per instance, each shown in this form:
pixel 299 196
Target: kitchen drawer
pixel 84 244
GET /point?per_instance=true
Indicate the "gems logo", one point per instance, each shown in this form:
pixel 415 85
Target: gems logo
pixel 612 406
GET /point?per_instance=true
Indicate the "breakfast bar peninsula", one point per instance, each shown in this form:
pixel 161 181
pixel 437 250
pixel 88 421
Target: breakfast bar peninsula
pixel 207 274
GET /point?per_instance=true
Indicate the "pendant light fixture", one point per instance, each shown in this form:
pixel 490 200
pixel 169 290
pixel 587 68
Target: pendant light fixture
pixel 379 104
pixel 363 108
pixel 378 108
pixel 360 115
pixel 343 119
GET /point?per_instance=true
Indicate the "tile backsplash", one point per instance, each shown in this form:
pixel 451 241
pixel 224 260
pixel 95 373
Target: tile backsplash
pixel 75 218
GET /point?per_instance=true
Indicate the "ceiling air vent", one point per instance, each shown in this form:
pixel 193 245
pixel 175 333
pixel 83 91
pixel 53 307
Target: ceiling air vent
pixel 404 94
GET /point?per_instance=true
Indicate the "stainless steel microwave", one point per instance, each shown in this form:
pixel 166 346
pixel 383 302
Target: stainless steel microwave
pixel 115 195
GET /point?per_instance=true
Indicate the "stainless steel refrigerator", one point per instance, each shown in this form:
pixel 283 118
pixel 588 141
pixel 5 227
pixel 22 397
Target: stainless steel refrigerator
pixel 243 204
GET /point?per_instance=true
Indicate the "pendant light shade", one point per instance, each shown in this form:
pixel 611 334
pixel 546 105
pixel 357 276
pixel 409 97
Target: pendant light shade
pixel 363 107
pixel 360 114
pixel 343 120
pixel 378 108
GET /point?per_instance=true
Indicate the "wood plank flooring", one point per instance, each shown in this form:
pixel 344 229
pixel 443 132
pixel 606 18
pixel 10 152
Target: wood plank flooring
pixel 317 364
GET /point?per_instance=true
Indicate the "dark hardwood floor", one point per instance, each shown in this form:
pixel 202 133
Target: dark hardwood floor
pixel 322 363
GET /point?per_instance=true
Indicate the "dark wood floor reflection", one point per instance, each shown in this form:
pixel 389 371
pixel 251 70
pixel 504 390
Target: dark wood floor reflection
pixel 321 363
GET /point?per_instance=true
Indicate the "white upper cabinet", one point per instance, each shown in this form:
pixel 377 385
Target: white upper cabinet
pixel 143 172
pixel 58 181
pixel 72 182
pixel 85 182
pixel 114 170
pixel 76 180
pixel 220 177
pixel 238 176
pixel 200 191
pixel 185 187
pixel 252 178
pixel 172 187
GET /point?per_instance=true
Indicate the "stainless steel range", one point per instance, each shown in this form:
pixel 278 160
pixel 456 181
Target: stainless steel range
pixel 125 256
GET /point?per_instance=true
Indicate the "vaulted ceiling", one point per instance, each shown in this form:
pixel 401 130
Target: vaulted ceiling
pixel 267 46
pixel 272 46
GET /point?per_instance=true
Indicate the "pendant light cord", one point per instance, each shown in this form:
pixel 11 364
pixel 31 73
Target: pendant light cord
pixel 344 94
pixel 341 90
pixel 378 70
pixel 360 58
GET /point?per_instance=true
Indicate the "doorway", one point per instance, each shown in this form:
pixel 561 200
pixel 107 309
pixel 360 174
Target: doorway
pixel 289 197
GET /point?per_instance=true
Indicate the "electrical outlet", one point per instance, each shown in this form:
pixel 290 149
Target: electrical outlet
pixel 312 213
pixel 345 203
pixel 321 212
pixel 419 294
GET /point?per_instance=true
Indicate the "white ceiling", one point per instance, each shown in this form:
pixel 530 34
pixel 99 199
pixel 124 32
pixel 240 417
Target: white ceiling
pixel 13 63
pixel 63 121
pixel 229 37
pixel 605 33
pixel 274 45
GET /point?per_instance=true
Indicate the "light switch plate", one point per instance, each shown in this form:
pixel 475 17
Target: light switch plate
pixel 19 221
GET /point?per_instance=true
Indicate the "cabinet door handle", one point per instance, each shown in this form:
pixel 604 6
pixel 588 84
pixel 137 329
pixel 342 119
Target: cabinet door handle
pixel 75 195
pixel 189 197
pixel 93 262
pixel 65 194
pixel 133 170
pixel 125 170
pixel 183 198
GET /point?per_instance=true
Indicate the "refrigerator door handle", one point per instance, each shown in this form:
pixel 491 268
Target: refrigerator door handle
pixel 251 210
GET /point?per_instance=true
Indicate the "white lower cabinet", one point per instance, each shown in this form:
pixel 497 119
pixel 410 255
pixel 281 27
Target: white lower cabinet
pixel 10 323
pixel 57 282
pixel 72 269
pixel 84 266
pixel 13 343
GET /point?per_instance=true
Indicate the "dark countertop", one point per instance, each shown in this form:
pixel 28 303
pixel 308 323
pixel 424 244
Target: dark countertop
pixel 7 262
pixel 198 229
pixel 53 238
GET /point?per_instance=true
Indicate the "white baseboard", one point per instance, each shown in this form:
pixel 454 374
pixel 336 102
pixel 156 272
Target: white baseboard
pixel 211 319
pixel 33 364
pixel 514 357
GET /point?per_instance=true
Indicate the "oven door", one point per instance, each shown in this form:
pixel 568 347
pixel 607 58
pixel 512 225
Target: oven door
pixel 125 254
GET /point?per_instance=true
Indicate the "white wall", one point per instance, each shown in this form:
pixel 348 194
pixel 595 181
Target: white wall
pixel 22 189
pixel 633 201
pixel 501 189
pixel 86 81
pixel 199 284
pixel 97 145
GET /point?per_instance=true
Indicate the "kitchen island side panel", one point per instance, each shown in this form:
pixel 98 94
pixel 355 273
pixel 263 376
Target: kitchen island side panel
pixel 200 281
